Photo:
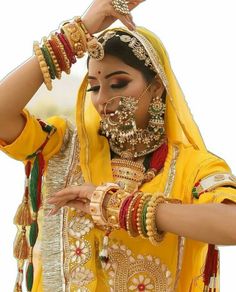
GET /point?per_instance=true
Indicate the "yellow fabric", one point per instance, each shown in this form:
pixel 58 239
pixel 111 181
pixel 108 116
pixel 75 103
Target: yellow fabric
pixel 32 137
pixel 193 163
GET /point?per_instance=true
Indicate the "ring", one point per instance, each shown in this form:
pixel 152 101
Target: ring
pixel 121 6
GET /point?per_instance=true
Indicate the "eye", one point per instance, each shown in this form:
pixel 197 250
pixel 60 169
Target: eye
pixel 120 84
pixel 94 88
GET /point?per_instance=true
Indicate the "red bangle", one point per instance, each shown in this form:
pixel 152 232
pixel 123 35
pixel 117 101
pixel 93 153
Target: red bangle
pixel 58 54
pixel 67 47
pixel 123 211
pixel 135 213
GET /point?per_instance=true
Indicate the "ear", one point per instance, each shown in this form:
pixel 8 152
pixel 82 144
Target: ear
pixel 157 88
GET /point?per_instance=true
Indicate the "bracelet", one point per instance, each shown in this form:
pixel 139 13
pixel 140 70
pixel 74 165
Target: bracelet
pixel 113 208
pixel 76 38
pixel 94 47
pixel 145 198
pixel 66 62
pixel 54 59
pixel 43 65
pixel 129 222
pixel 155 236
pixel 96 203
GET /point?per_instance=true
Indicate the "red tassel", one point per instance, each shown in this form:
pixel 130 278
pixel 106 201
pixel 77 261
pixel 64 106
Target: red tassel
pixel 211 269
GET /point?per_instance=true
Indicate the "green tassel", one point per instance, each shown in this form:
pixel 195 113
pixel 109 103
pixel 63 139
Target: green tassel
pixel 34 184
pixel 33 234
pixel 29 277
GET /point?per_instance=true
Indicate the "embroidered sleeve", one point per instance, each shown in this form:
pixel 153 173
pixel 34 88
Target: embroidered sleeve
pixel 213 181
pixel 33 136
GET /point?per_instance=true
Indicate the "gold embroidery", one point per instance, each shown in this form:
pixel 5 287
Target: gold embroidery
pixel 129 273
pixel 172 170
pixel 52 246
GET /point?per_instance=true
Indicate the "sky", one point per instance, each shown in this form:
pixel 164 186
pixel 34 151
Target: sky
pixel 200 39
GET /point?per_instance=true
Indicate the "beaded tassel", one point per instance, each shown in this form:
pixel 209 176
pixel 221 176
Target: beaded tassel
pixel 33 186
pixel 103 255
pixel 211 269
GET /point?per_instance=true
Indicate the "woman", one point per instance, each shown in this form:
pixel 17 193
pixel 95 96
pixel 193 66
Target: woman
pixel 136 175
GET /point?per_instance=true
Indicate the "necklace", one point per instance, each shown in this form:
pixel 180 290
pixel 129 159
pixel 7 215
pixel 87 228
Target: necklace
pixel 130 175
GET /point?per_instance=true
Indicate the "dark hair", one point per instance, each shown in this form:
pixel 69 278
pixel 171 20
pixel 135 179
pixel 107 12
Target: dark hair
pixel 119 49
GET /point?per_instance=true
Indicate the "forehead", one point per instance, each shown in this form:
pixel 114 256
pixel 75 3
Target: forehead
pixel 108 64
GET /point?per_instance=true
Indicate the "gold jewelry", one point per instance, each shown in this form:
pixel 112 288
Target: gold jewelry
pixel 96 203
pixel 132 42
pixel 61 47
pixel 121 6
pixel 113 207
pixel 76 37
pixel 54 59
pixel 94 47
pixel 129 173
pixel 145 198
pixel 43 65
pixel 129 221
pixel 154 235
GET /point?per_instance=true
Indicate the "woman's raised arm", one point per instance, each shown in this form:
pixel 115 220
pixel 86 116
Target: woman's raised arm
pixel 19 86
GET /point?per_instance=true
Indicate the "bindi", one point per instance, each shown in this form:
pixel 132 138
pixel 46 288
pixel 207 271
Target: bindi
pixel 99 72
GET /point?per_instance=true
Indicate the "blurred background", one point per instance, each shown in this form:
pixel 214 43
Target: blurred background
pixel 200 38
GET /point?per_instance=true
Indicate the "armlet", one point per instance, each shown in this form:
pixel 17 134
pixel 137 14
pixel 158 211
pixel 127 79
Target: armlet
pixel 213 181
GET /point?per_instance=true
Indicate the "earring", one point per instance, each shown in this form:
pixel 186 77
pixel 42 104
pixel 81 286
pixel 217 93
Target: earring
pixel 156 110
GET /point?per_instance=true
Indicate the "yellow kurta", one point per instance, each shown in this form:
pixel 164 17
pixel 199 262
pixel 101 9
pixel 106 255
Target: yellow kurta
pixel 176 263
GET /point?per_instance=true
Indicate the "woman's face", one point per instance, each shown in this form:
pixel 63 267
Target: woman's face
pixel 111 77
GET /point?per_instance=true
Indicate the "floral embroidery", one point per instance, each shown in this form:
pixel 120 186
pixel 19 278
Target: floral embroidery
pixel 79 226
pixel 81 276
pixel 128 272
pixel 141 283
pixel 80 252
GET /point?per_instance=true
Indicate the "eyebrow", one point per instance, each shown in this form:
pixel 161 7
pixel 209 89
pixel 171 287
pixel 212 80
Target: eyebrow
pixel 110 75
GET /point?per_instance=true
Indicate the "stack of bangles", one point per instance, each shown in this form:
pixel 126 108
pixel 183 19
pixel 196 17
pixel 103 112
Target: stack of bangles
pixel 112 207
pixel 58 52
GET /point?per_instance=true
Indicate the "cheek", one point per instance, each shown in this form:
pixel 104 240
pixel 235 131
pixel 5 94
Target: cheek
pixel 94 101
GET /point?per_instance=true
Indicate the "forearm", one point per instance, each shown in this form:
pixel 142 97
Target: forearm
pixel 212 223
pixel 18 87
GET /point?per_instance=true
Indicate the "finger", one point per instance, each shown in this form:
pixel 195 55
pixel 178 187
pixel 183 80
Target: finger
pixel 84 207
pixel 125 19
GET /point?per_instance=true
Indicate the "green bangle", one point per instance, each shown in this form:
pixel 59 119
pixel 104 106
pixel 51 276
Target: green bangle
pixel 143 225
pixel 49 61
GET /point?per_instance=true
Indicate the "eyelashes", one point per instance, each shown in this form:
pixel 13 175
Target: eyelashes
pixel 121 84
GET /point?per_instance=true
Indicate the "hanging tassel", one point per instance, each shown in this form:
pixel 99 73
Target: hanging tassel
pixel 18 285
pixel 33 234
pixel 29 276
pixel 103 255
pixel 23 214
pixel 211 269
pixel 21 248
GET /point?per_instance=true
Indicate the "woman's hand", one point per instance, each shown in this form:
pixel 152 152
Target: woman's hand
pixel 77 197
pixel 102 14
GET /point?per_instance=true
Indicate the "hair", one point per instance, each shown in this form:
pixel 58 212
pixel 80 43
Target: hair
pixel 116 48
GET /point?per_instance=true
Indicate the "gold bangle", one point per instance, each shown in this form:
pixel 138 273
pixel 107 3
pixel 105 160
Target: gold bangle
pixel 146 197
pixel 113 208
pixel 94 47
pixel 61 47
pixel 76 38
pixel 96 203
pixel 54 59
pixel 43 65
pixel 154 235
pixel 129 224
